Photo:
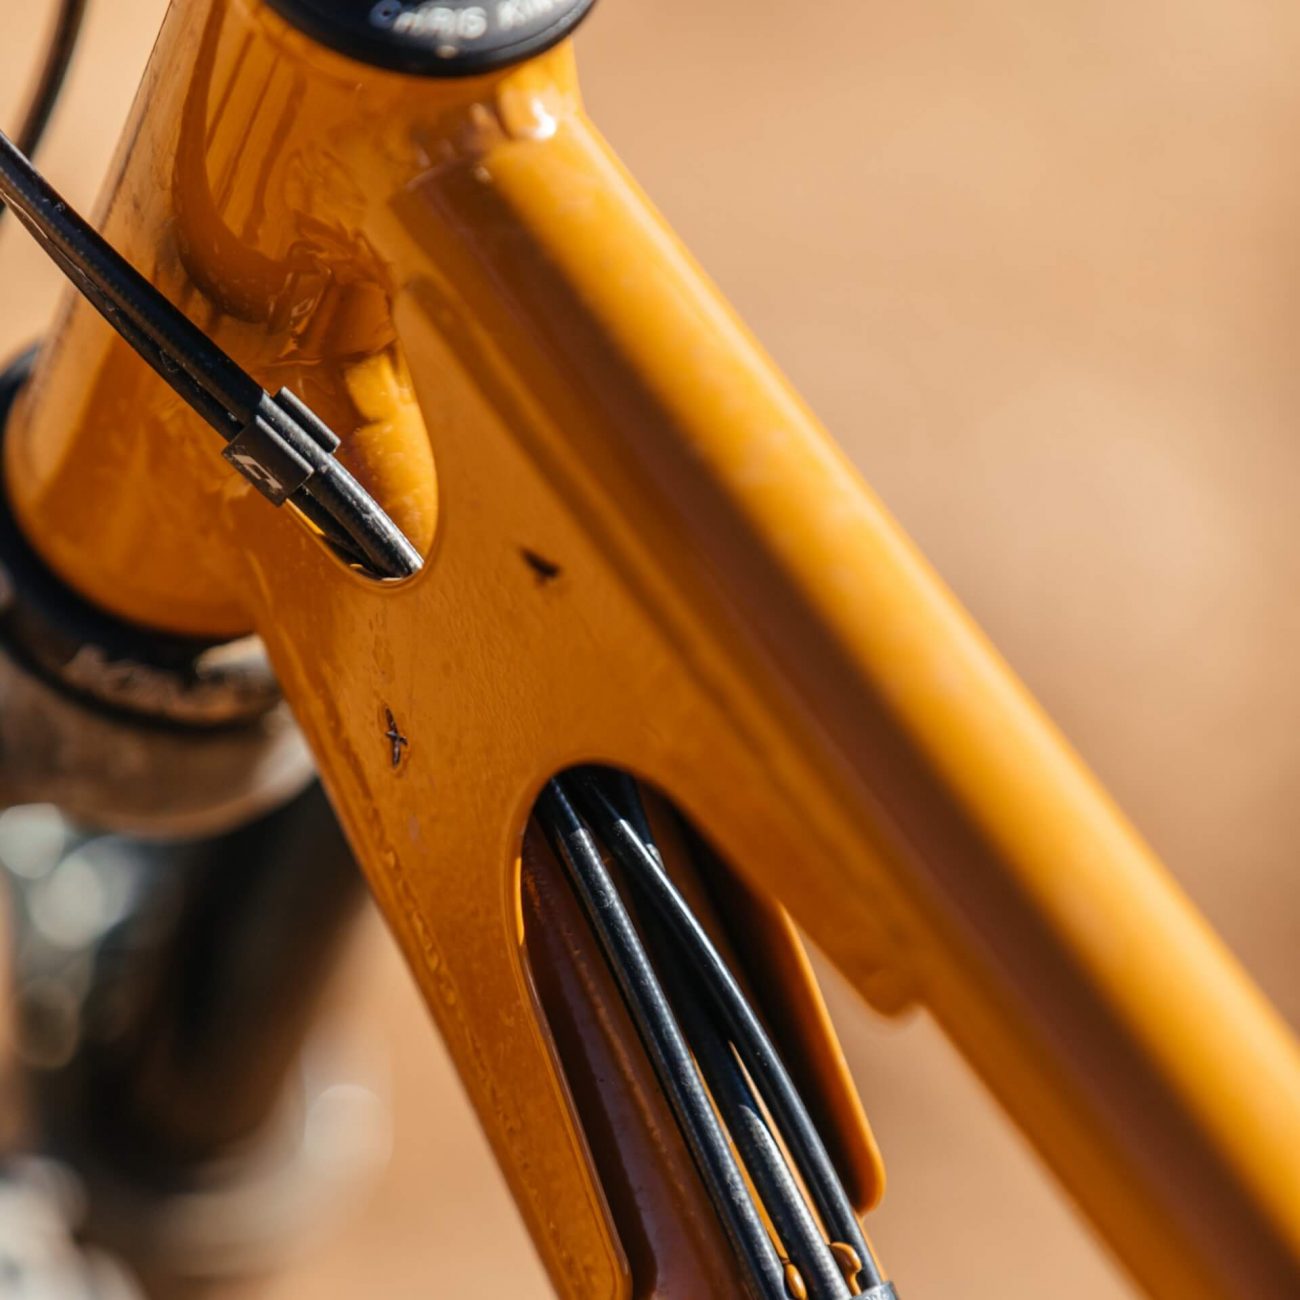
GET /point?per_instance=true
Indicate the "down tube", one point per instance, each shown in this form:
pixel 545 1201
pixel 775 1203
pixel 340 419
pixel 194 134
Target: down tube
pixel 1028 915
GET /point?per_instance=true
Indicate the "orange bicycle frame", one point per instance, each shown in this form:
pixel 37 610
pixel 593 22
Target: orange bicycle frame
pixel 642 550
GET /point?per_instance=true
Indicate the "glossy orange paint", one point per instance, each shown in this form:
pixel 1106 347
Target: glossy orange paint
pixel 461 276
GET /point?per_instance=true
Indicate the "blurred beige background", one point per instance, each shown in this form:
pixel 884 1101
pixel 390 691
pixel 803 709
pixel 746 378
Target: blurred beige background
pixel 1037 266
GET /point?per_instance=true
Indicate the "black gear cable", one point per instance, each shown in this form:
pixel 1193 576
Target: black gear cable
pixel 276 442
pixel 724 1080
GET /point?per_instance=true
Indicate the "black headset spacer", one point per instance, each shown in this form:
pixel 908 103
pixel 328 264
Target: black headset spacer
pixel 436 38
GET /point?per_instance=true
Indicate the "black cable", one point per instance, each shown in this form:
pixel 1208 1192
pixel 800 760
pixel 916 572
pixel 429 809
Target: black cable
pixel 735 1099
pixel 767 1167
pixel 193 395
pixel 663 1042
pixel 213 387
pixel 334 494
pixel 122 293
pixel 599 798
pixel 743 1115
pixel 277 436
